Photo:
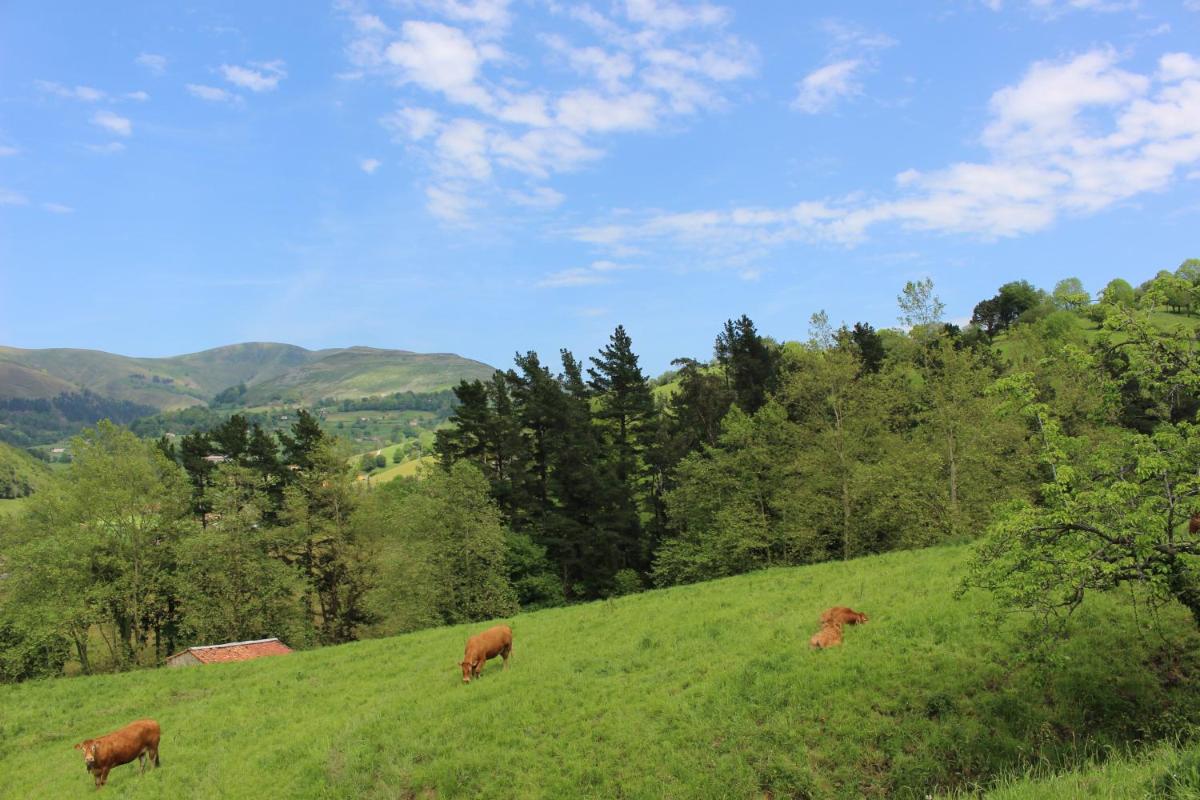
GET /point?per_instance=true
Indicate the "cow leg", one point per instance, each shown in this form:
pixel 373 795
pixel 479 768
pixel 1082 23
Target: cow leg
pixel 104 776
pixel 505 653
pixel 154 755
pixel 142 763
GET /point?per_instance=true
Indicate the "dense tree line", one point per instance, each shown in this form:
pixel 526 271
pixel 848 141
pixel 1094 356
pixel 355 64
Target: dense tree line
pixel 32 421
pixel 1072 451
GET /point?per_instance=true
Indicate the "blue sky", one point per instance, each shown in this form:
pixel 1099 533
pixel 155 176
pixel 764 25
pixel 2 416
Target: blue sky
pixel 487 176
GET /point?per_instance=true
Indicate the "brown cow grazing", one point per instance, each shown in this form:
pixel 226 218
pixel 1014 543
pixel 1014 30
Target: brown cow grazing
pixel 1194 523
pixel 846 616
pixel 830 635
pixel 493 642
pixel 136 740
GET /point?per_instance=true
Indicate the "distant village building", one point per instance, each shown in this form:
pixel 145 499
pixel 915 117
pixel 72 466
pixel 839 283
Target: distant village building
pixel 232 651
pixel 215 459
pixel 57 450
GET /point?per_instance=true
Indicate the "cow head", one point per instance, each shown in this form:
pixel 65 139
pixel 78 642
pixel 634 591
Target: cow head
pixel 468 669
pixel 89 748
pixel 862 618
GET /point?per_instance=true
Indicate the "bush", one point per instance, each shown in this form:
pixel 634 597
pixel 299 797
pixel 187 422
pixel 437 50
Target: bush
pixel 626 581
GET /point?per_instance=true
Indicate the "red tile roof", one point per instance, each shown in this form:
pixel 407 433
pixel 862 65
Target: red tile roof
pixel 237 651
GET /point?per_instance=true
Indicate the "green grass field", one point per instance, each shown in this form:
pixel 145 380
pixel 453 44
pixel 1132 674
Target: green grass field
pixel 699 691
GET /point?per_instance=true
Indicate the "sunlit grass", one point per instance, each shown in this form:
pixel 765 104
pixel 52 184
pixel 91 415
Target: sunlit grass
pixel 697 691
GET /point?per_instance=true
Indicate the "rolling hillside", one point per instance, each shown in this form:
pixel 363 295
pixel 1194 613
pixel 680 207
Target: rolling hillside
pixel 20 473
pixel 270 372
pixel 707 690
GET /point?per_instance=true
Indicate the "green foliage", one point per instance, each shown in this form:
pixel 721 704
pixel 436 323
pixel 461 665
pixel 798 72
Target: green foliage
pixel 1070 295
pixel 20 473
pixel 230 585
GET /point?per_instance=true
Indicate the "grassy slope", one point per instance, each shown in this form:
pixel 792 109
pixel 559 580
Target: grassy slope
pixel 700 691
pixel 1122 777
pixel 362 371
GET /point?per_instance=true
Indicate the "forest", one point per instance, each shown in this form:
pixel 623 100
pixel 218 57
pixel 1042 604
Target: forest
pixel 1057 430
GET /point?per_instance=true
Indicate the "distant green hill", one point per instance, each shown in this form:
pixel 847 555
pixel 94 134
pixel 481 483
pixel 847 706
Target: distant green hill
pixel 20 473
pixel 700 691
pixel 270 372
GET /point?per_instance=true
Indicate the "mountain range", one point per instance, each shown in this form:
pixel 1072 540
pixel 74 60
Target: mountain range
pixel 271 373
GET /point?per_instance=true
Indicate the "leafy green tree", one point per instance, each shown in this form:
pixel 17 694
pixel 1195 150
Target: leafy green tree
pixel 98 553
pixel 1070 295
pixel 998 313
pixel 736 507
pixel 1118 292
pixel 920 308
pixel 302 442
pixel 231 588
pixel 1110 511
pixel 444 549
pixel 337 566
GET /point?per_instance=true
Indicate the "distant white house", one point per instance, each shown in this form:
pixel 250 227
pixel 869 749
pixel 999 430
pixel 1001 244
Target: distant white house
pixel 215 459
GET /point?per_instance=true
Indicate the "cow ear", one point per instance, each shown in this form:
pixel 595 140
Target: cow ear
pixel 79 745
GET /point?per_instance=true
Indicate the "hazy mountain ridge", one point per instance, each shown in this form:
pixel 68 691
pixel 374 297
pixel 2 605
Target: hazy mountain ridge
pixel 271 372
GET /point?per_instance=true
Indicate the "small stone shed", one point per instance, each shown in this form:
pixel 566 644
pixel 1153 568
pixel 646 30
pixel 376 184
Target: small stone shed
pixel 231 651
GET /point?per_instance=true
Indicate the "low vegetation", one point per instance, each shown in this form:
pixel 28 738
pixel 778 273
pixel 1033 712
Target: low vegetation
pixel 696 691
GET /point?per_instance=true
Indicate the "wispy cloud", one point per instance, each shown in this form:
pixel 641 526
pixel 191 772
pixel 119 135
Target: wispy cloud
pixel 212 94
pixel 9 197
pixel 7 150
pixel 113 123
pixel 648 61
pixel 57 208
pixel 152 61
pixel 369 165
pixel 260 76
pixel 853 52
pixel 821 88
pixel 106 149
pixel 87 94
pixel 595 273
pixel 1072 137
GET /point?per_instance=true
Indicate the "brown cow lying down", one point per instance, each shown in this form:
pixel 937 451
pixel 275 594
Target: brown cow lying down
pixel 493 642
pixel 136 740
pixel 830 635
pixel 846 616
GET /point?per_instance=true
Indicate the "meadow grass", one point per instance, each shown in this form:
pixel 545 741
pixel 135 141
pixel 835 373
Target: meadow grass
pixel 702 691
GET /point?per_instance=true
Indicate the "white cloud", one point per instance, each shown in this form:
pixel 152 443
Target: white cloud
pixel 542 197
pixel 57 208
pixel 1178 66
pixel 449 203
pixel 8 150
pixel 153 62
pixel 415 123
pixel 1072 137
pixel 463 146
pixel 656 59
pixel 823 87
pixel 671 16
pixel 260 76
pixel 584 110
pixel 492 16
pixel 439 58
pixel 595 273
pixel 139 96
pixel 87 94
pixel 113 123
pixel 369 165
pixel 8 197
pixel 212 94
